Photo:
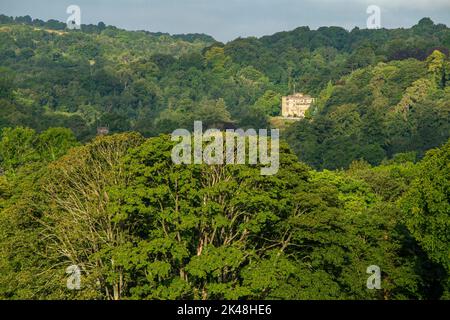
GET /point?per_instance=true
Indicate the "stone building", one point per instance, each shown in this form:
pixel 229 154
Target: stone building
pixel 295 106
pixel 102 131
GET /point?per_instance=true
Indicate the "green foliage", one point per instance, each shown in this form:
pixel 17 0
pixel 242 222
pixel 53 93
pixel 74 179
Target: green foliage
pixel 6 83
pixel 16 148
pixel 55 142
pixel 376 113
pixel 426 206
pixel 20 146
pixel 269 103
pixel 141 227
pixel 154 82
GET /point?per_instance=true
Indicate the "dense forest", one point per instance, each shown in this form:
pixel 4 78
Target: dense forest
pixel 363 179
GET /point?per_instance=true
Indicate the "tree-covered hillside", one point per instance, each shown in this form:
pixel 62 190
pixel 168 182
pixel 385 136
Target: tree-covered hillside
pixel 358 184
pixel 366 81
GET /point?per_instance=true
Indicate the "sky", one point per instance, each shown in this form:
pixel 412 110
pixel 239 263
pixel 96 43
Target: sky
pixel 226 20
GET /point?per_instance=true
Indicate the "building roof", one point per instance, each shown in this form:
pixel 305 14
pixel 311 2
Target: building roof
pixel 299 95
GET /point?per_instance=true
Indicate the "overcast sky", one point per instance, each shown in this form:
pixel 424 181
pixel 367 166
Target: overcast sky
pixel 229 19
